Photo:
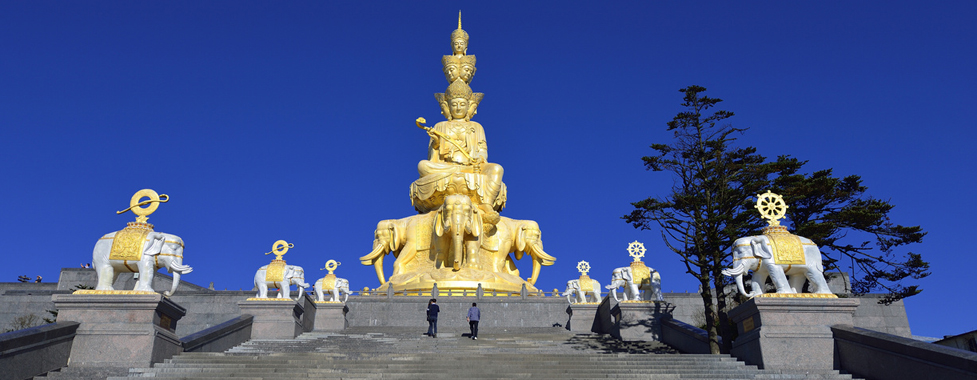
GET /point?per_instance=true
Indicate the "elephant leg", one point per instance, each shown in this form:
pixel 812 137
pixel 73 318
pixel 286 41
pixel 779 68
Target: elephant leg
pixel 796 282
pixel 318 294
pixel 817 279
pixel 757 282
pixel 285 291
pixel 146 272
pixel 779 278
pixel 106 277
pixel 262 290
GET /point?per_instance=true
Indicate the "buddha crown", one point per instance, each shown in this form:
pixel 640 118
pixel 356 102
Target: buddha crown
pixel 459 33
pixel 458 89
pixel 462 60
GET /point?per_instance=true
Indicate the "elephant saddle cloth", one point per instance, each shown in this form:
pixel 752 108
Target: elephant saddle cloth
pixel 275 271
pixel 329 282
pixel 787 249
pixel 128 243
pixel 586 284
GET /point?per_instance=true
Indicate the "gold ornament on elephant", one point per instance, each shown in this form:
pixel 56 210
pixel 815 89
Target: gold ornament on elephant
pixel 329 281
pixel 586 284
pixel 276 269
pixel 128 243
pixel 640 272
pixel 771 207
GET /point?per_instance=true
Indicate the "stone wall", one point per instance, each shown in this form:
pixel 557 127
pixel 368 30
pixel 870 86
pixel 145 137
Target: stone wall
pixel 207 308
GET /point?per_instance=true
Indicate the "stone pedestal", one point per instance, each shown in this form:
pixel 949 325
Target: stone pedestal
pixel 121 330
pixel 789 333
pixel 273 319
pixel 642 320
pixel 330 316
pixel 582 317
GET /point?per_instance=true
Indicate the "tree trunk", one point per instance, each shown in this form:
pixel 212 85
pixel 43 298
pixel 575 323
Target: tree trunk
pixel 710 312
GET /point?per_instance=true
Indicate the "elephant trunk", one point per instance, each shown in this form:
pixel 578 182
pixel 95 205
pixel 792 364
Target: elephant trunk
pixel 738 270
pixel 457 242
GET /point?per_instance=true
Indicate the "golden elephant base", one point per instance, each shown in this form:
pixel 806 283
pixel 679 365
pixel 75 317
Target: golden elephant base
pixel 92 291
pixel 464 280
pixel 795 295
pixel 270 299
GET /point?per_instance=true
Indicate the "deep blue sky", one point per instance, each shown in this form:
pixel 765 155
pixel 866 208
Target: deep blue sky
pixel 294 120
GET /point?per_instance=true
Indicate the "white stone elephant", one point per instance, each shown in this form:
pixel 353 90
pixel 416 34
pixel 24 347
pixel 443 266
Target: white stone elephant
pixel 341 286
pixel 159 250
pixel 624 277
pixel 573 289
pixel 293 275
pixel 754 253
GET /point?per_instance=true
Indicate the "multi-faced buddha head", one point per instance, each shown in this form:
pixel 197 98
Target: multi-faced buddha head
pixel 458 96
pixel 459 67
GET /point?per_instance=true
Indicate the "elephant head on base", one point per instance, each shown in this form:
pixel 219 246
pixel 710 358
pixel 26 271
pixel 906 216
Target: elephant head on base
pixel 160 250
pixel 525 238
pixel 459 217
pixel 292 275
pixel 753 253
pixel 389 237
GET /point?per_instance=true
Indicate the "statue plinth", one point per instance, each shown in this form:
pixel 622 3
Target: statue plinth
pixel 121 330
pixel 789 333
pixel 274 320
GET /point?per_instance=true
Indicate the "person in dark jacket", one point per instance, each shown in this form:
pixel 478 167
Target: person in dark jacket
pixel 432 318
pixel 473 316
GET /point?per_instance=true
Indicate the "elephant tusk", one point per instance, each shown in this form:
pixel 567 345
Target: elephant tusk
pixel 371 257
pixel 378 265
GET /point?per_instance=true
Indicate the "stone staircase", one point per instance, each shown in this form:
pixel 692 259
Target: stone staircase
pixel 404 353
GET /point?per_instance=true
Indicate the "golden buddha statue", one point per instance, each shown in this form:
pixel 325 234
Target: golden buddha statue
pixel 458 159
pixel 457 240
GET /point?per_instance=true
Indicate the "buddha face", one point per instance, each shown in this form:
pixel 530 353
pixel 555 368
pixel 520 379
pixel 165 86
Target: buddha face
pixel 455 71
pixel 459 46
pixel 458 108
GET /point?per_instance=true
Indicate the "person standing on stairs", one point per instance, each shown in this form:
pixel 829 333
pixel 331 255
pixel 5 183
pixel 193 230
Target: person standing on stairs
pixel 473 316
pixel 432 318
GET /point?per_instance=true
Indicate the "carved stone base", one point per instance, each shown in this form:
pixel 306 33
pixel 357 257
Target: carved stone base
pixel 330 316
pixel 789 333
pixel 273 319
pixel 121 330
pixel 642 320
pixel 582 317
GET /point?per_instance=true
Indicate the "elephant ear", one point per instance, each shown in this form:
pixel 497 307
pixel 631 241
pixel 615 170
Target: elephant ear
pixel 440 222
pixel 761 248
pixel 627 274
pixel 520 241
pixel 475 223
pixel 394 238
pixel 156 244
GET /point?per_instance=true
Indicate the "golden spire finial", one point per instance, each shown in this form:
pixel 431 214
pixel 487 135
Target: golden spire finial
pixel 459 19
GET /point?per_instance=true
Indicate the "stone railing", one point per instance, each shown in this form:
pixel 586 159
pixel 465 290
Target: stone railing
pixel 876 355
pixel 220 337
pixel 684 337
pixel 30 352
